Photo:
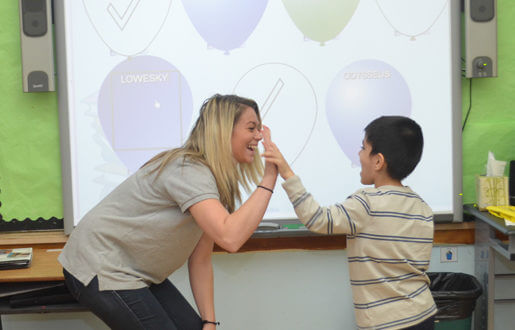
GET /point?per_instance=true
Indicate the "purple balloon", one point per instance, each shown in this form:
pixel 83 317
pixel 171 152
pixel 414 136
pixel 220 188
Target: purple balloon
pixel 361 92
pixel 225 24
pixel 144 106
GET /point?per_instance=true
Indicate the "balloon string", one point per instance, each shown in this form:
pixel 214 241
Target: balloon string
pixel 411 36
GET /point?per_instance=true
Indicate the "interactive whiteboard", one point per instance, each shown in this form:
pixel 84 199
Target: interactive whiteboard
pixel 134 73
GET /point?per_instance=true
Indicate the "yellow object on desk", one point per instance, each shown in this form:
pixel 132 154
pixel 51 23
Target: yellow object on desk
pixel 491 191
pixel 505 212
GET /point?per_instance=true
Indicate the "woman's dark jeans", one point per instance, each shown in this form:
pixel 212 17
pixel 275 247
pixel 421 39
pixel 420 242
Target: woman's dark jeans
pixel 160 306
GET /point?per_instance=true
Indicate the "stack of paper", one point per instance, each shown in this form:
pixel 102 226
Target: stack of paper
pixel 15 258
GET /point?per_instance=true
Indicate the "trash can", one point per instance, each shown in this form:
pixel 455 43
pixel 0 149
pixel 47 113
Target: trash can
pixel 455 295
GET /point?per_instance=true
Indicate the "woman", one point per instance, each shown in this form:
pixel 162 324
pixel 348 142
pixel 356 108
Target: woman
pixel 117 260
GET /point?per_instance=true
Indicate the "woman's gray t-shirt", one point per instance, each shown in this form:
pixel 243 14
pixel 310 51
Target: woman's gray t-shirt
pixel 142 231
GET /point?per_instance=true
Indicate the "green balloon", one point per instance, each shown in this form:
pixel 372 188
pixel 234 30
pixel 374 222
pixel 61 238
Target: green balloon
pixel 321 20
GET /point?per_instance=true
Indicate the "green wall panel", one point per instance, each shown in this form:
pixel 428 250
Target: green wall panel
pixel 30 178
pixel 491 123
pixel 30 181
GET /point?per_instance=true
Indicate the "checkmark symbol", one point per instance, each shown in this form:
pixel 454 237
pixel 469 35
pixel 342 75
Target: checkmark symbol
pixel 272 96
pixel 123 19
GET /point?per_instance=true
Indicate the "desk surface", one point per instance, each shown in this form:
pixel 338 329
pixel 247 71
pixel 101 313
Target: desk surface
pixel 44 267
pixel 47 245
pixel 496 222
pixel 503 245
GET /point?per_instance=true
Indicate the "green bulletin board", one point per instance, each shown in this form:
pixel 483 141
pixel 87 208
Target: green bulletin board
pixel 30 168
pixel 491 123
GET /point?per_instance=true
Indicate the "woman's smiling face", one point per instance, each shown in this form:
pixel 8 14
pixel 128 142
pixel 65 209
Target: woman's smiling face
pixel 245 136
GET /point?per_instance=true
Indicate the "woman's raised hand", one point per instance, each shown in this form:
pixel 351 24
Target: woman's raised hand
pixel 270 168
pixel 273 155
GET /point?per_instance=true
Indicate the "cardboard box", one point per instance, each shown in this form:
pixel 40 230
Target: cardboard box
pixel 491 191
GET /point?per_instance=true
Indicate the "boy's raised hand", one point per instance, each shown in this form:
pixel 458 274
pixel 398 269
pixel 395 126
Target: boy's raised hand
pixel 273 155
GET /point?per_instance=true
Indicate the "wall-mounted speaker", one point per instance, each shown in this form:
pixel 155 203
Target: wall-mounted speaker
pixel 37 45
pixel 480 30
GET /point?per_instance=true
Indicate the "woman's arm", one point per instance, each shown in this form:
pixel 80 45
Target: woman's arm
pixel 230 231
pixel 201 279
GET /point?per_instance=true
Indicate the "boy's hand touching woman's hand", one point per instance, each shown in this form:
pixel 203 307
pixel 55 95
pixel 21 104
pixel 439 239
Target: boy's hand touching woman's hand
pixel 273 155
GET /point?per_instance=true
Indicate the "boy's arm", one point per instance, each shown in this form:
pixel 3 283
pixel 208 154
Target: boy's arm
pixel 335 219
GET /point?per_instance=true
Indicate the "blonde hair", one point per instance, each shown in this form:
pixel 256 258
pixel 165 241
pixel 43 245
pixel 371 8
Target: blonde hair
pixel 210 143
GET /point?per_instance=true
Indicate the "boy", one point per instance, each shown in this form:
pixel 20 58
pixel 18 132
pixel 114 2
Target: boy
pixel 389 227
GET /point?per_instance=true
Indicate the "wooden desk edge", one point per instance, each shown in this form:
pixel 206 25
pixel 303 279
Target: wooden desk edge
pixel 445 233
pixel 33 238
pixel 47 245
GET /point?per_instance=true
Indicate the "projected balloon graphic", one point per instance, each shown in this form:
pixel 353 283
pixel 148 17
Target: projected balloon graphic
pixel 225 24
pixel 124 26
pixel 144 106
pixel 283 92
pixel 361 92
pixel 321 20
pixel 412 19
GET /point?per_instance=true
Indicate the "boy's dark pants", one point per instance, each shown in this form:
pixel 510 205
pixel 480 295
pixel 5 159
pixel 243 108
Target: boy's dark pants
pixel 428 324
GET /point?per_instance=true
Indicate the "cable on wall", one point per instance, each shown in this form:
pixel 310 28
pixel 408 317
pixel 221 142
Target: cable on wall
pixel 470 106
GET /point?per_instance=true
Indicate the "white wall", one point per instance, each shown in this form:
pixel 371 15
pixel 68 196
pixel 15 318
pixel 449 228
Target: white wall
pixel 301 290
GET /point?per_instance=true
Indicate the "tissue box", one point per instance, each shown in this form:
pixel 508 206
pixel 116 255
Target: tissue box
pixel 491 191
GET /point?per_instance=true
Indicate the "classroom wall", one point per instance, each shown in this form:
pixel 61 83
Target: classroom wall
pixel 30 177
pixel 290 290
pixel 30 165
pixel 490 126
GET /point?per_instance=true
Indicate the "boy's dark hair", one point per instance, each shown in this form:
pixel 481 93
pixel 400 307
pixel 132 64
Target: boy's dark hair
pixel 400 141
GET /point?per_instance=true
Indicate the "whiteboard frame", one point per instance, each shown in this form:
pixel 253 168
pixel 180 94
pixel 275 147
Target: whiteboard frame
pixel 67 150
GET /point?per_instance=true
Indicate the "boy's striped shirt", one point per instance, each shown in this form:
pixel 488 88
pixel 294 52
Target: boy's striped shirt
pixel 389 240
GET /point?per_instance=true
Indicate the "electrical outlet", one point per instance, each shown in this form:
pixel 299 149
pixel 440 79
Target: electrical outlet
pixel 449 254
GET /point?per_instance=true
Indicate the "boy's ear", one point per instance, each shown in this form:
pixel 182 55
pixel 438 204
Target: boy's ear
pixel 380 162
